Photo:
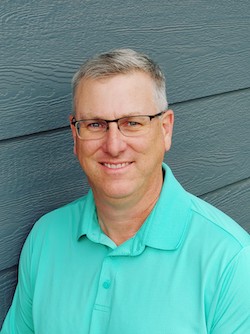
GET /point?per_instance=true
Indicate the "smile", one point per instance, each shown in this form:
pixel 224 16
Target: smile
pixel 116 166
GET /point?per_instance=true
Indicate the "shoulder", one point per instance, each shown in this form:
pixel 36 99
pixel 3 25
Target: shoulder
pixel 216 225
pixel 59 221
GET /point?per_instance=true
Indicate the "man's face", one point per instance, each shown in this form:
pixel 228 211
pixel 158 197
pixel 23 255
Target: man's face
pixel 120 167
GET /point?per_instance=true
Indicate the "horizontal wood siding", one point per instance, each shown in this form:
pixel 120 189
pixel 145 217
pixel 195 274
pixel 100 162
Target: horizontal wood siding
pixel 234 201
pixel 204 49
pixel 211 142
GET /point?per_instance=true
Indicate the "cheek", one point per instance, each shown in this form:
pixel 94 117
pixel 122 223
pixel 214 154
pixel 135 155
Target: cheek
pixel 85 153
pixel 86 149
pixel 157 141
pixel 150 148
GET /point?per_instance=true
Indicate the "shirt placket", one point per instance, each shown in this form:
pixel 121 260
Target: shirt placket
pixel 102 307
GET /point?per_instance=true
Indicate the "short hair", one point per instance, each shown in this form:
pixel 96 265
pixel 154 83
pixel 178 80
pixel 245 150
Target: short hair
pixel 122 61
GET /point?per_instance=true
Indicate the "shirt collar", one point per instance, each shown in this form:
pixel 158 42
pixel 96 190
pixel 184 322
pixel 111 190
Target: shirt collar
pixel 88 223
pixel 166 225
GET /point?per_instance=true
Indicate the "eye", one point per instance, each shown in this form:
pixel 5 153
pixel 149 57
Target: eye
pixel 95 125
pixel 133 122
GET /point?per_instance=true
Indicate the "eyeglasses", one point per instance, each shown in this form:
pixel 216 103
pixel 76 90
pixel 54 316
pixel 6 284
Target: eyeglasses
pixel 130 126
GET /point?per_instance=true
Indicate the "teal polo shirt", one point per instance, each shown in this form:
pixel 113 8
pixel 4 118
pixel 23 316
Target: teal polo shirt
pixel 187 270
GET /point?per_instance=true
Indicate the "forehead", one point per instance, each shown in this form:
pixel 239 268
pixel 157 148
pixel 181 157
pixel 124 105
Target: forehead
pixel 119 94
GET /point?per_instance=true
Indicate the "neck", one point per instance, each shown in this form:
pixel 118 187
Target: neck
pixel 120 219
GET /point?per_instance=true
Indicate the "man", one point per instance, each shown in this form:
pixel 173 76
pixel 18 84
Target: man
pixel 138 254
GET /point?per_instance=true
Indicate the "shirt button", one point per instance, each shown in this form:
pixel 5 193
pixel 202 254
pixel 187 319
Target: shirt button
pixel 106 284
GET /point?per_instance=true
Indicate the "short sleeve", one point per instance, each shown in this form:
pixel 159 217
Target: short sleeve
pixel 19 317
pixel 231 307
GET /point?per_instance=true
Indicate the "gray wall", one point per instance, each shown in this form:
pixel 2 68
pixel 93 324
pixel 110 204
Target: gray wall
pixel 204 49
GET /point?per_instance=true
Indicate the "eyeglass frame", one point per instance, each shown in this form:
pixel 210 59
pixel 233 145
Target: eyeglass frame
pixel 74 122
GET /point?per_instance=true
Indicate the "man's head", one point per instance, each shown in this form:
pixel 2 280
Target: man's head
pixel 121 126
pixel 122 61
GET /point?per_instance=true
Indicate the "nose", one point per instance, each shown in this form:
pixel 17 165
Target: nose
pixel 114 141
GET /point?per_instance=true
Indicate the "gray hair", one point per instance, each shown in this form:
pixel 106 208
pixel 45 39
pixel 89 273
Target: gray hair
pixel 122 61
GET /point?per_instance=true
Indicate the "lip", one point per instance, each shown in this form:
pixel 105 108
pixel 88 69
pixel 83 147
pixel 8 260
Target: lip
pixel 116 165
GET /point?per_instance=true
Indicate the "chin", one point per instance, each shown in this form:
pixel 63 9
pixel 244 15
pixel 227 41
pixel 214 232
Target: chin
pixel 117 191
pixel 118 194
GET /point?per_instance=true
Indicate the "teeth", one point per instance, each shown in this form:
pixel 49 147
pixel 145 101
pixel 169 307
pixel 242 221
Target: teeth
pixel 114 166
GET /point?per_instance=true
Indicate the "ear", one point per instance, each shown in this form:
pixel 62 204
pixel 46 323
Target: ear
pixel 167 127
pixel 73 131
